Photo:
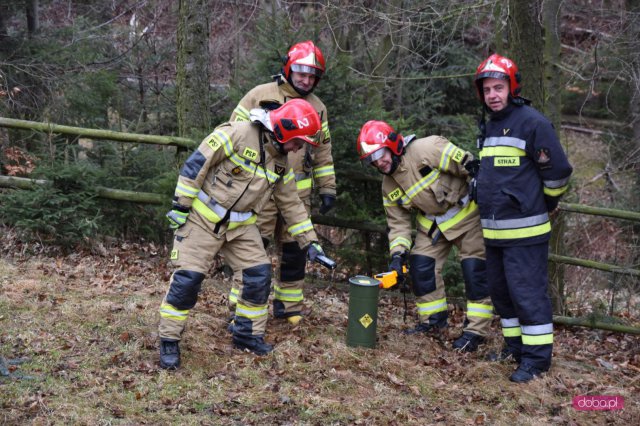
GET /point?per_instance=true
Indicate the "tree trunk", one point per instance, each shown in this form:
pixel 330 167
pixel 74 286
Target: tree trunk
pixel 193 69
pixel 633 35
pixel 33 18
pixel 536 51
pixel 526 47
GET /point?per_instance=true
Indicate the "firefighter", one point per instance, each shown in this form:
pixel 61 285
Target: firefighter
pixel 523 171
pixel 221 187
pixel 303 67
pixel 428 176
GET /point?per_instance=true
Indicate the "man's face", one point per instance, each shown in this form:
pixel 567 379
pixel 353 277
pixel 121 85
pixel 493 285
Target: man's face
pixel 496 93
pixel 384 163
pixel 293 145
pixel 303 81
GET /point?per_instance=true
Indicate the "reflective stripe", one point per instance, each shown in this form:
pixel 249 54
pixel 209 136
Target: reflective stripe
pixel 505 141
pixel 186 190
pixel 417 187
pixel 251 312
pixel 323 171
pixel 288 295
pixel 242 114
pixel 537 329
pixel 516 223
pixel 479 310
pixel 168 311
pixel 304 184
pixel 502 151
pixel 302 176
pixel 430 308
pixel 234 293
pixel 300 228
pixel 511 332
pixel 510 322
pixel 452 217
pixel 445 160
pixel 288 177
pixel 214 212
pixel 555 192
pixel 511 234
pixel 325 130
pixel 554 184
pixel 542 339
pixel 400 241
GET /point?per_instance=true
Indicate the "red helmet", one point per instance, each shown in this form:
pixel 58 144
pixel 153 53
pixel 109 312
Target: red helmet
pixel 496 66
pixel 375 135
pixel 297 118
pixel 304 57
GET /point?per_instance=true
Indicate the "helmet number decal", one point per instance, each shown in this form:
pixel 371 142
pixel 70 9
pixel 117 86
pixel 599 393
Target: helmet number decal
pixel 303 122
pixel 381 137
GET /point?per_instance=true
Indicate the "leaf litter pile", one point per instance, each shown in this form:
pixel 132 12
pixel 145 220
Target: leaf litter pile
pixel 79 345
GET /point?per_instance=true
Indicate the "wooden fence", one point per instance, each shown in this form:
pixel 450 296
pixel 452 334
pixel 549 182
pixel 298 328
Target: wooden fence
pixel 152 198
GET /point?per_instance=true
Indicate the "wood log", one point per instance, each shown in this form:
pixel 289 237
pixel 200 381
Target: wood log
pixel 593 323
pixel 97 133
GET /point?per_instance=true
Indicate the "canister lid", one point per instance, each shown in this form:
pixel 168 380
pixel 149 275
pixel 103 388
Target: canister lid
pixel 364 281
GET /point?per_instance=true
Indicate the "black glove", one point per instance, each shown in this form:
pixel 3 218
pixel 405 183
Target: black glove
pixel 473 189
pixel 552 203
pixel 177 216
pixel 327 202
pixel 398 259
pixel 314 250
pixel 472 167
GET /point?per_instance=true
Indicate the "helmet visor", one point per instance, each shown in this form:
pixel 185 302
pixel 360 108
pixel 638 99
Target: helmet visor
pixel 306 69
pixel 374 156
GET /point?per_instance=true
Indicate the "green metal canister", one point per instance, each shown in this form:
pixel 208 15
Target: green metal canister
pixel 363 311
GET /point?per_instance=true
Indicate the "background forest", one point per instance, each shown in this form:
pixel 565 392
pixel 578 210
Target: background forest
pixel 178 68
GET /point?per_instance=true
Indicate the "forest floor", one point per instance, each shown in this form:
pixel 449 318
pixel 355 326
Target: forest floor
pixel 79 342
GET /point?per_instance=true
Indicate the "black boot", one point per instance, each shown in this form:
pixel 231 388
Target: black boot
pixel 255 344
pixel 425 328
pixel 525 373
pixel 468 342
pixel 169 354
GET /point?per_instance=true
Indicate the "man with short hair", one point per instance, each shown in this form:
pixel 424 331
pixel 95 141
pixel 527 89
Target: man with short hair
pixel 428 176
pixel 302 70
pixel 523 172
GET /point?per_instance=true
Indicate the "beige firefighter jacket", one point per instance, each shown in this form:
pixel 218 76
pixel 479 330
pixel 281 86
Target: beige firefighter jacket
pixel 431 179
pixel 233 173
pixel 313 166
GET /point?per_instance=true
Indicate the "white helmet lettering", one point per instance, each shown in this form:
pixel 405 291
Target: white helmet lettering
pixel 303 122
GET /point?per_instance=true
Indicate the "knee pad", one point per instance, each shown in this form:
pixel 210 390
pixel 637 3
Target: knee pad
pixel 294 260
pixel 256 283
pixel 423 274
pixel 184 289
pixel 474 271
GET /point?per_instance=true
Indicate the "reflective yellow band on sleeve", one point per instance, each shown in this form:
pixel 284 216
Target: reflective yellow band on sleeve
pixel 242 114
pixel 400 242
pixel 300 228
